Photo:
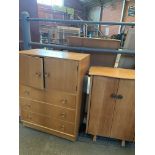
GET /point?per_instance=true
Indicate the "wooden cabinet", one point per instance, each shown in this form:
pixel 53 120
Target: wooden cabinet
pixel 51 89
pixel 111 103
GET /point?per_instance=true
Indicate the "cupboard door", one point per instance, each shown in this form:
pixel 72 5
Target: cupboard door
pixel 31 71
pixel 123 119
pixel 102 105
pixel 61 74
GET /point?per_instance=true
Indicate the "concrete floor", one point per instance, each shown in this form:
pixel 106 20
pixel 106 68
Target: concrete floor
pixel 33 142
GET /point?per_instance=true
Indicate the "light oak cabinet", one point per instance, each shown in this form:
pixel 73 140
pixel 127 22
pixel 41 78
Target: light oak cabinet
pixel 111 109
pixel 51 90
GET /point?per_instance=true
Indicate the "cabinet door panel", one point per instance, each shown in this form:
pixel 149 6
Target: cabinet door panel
pixel 102 105
pixel 61 74
pixel 31 71
pixel 123 119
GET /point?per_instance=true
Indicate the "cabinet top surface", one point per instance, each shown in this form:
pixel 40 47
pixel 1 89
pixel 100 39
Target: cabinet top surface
pixel 55 54
pixel 113 72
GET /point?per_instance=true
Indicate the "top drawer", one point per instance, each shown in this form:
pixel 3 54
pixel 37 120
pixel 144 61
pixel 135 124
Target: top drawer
pixel 54 97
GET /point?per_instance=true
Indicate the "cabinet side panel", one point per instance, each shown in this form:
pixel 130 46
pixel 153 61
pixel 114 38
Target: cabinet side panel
pixel 102 105
pixel 23 69
pixel 82 71
pixel 124 114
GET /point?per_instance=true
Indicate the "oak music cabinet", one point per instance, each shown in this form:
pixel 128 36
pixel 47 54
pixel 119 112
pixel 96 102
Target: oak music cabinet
pixel 51 90
pixel 111 109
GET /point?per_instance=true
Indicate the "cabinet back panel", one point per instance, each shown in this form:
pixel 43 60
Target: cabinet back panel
pixel 124 113
pixel 102 105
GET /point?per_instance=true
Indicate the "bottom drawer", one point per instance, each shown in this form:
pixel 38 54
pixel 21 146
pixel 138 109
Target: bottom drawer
pixel 49 122
pixel 48 110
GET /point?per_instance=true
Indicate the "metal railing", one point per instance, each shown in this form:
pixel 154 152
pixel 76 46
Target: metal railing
pixel 25 22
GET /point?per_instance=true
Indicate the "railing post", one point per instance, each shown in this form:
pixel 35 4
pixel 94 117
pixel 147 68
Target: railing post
pixel 26 30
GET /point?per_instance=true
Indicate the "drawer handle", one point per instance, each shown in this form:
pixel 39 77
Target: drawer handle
pixel 63 115
pixel 38 74
pixel 119 97
pixel 29 105
pixel 63 101
pixel 114 96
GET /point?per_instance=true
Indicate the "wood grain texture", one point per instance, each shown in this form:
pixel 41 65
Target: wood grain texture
pixel 53 97
pixel 96 58
pixel 61 74
pixel 31 71
pixel 49 130
pixel 124 113
pixel 102 105
pixel 46 109
pixel 102 59
pixel 113 72
pixel 55 54
pixel 94 42
pixel 48 122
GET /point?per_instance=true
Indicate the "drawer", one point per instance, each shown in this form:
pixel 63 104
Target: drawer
pixel 35 118
pixel 48 110
pixel 46 121
pixel 64 127
pixel 29 92
pixel 54 97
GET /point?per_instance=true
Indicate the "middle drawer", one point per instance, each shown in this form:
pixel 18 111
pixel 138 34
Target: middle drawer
pixel 47 109
pixel 59 98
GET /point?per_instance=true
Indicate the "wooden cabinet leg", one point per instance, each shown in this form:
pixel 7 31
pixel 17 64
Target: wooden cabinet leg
pixel 94 138
pixel 123 143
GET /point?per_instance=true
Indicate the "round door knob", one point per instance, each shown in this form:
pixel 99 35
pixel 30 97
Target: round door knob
pixel 38 74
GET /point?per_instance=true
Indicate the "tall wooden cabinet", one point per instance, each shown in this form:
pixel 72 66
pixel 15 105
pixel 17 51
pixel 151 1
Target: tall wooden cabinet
pixel 51 90
pixel 111 103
